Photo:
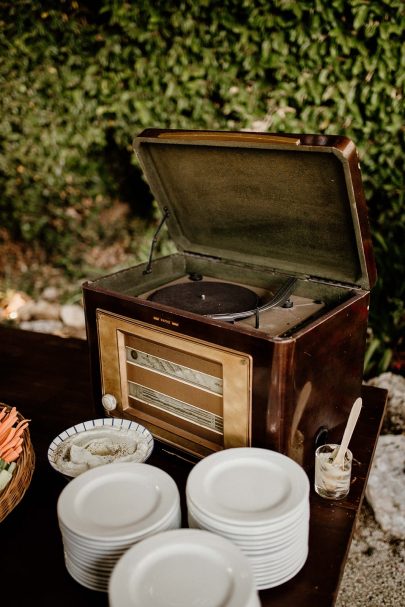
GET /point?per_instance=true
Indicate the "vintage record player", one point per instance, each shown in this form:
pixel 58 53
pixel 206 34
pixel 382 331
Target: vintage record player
pixel 253 333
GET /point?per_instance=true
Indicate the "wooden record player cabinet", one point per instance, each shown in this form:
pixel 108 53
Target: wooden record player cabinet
pixel 254 210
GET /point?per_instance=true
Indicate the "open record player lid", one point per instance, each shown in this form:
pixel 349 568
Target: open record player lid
pixel 290 203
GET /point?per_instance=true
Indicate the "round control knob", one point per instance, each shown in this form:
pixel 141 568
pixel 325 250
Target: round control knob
pixel 109 402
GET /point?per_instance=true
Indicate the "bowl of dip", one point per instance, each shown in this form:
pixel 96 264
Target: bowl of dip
pixel 97 442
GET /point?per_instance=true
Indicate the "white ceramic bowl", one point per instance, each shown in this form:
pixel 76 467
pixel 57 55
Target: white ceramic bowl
pixel 99 441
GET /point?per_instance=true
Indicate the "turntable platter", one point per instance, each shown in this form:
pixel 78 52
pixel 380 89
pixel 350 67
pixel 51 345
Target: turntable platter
pixel 207 297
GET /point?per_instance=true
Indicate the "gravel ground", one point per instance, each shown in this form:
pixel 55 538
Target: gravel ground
pixel 375 570
pixel 374 575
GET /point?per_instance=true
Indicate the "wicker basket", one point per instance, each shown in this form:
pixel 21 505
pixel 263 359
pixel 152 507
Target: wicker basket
pixel 14 491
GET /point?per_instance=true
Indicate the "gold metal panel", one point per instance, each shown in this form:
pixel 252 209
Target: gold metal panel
pixel 113 331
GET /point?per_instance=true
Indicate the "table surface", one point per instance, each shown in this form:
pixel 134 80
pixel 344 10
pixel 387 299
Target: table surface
pixel 48 379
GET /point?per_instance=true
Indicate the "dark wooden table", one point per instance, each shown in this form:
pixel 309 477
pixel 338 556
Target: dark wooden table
pixel 47 378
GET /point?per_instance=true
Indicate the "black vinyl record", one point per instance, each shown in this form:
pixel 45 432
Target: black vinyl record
pixel 206 297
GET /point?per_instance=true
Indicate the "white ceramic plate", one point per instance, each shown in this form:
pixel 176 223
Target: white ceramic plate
pixel 257 533
pixel 117 502
pixel 268 547
pixel 92 557
pixel 185 567
pixel 88 581
pixel 97 557
pixel 248 486
pixel 101 425
pixel 279 533
pixel 273 561
pixel 267 581
pixel 110 546
pixel 97 567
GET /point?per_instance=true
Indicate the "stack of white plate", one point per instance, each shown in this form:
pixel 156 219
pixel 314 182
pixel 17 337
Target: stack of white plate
pixel 106 510
pixel 184 567
pixel 259 500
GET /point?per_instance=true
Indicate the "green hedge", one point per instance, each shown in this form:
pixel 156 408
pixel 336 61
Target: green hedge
pixel 78 82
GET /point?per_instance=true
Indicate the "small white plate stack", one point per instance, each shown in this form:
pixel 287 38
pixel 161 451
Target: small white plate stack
pixel 258 499
pixel 106 510
pixel 184 567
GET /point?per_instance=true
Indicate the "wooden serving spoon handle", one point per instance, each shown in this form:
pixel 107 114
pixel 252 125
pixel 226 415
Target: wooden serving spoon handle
pixel 347 435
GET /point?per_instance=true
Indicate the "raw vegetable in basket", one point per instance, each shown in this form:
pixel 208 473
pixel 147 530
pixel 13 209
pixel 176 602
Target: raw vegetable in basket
pixel 11 441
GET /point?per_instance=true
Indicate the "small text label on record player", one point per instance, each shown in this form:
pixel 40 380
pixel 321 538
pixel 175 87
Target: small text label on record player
pixel 166 321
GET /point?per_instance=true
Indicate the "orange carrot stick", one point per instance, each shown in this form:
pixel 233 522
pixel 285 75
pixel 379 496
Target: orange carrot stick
pixel 23 422
pixel 7 436
pixel 8 422
pixel 12 443
pixel 12 454
pixel 15 431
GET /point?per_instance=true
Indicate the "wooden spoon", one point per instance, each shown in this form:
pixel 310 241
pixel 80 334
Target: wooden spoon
pixel 347 435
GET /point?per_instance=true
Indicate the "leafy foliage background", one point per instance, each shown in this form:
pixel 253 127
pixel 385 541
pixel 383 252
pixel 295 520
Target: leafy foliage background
pixel 79 79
